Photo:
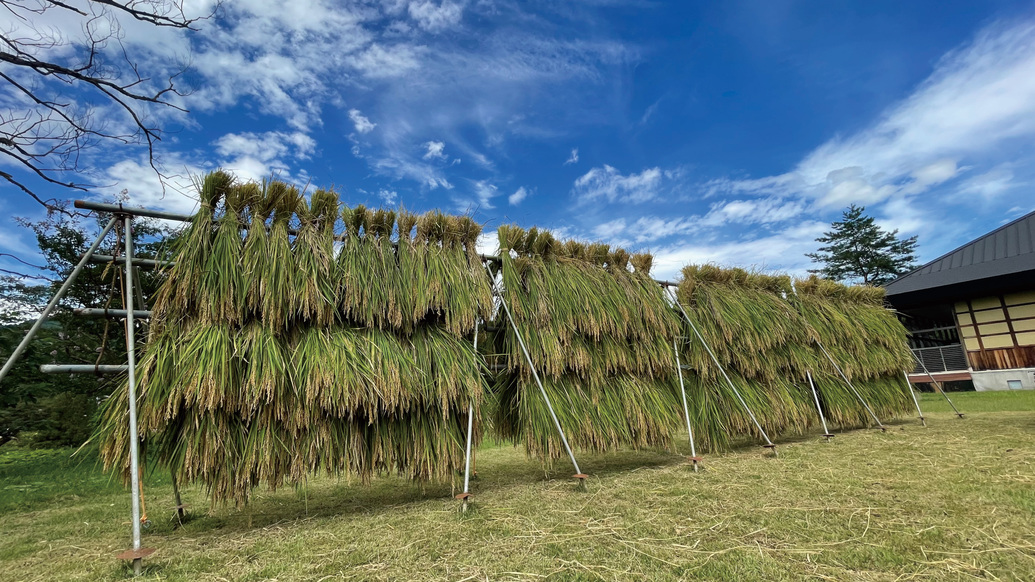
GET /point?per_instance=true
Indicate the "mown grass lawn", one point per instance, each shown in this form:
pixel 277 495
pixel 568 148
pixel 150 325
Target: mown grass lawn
pixel 954 501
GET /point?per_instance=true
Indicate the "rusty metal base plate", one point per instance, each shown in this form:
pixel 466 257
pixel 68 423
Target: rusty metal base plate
pixel 135 554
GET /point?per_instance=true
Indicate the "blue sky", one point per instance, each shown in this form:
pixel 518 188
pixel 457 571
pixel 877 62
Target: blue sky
pixel 728 132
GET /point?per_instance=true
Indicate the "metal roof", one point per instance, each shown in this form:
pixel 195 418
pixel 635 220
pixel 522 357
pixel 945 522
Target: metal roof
pixel 1007 250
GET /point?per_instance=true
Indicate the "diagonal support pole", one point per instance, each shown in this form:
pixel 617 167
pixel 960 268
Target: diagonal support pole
pixel 54 300
pixel 686 409
pixel 852 386
pixel 819 409
pixel 936 383
pixel 768 443
pixel 466 495
pixel 528 358
pixel 909 386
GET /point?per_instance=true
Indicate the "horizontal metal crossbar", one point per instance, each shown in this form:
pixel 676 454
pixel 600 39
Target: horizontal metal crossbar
pixel 114 313
pixel 84 369
pixel 136 262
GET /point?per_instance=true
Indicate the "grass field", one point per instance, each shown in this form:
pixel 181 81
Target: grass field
pixel 954 501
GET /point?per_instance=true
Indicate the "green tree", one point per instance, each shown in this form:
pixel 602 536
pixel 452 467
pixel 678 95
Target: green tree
pixel 59 409
pixel 859 251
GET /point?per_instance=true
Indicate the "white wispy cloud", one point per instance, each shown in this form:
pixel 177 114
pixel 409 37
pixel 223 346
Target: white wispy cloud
pixel 389 197
pixel 435 150
pixel 518 195
pixel 360 121
pixel 979 99
pixel 573 158
pixel 607 183
pixel 436 17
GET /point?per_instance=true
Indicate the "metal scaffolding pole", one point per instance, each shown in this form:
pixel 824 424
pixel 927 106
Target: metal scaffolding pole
pixel 54 301
pixel 466 495
pixel 557 423
pixel 909 386
pixel 936 384
pixel 686 409
pixel 850 385
pixel 768 443
pixel 819 409
pixel 134 445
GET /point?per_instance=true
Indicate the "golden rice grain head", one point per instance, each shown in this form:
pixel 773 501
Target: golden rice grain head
pixel 346 217
pixel 406 221
pixel 253 203
pixel 510 236
pixel 574 250
pixel 619 260
pixel 711 274
pixel 325 206
pixel 471 231
pixel 528 245
pixel 692 272
pixel 214 187
pixel 597 253
pixel 642 262
pixel 543 245
pixel 455 227
pixel 288 201
pixel 359 219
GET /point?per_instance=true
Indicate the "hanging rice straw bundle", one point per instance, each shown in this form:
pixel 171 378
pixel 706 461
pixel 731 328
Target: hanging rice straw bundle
pixel 584 318
pixel 315 296
pixel 749 327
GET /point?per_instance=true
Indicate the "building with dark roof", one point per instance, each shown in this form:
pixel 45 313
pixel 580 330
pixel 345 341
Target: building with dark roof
pixel 971 311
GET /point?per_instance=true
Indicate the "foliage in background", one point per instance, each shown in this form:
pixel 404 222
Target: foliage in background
pixel 60 409
pixel 857 250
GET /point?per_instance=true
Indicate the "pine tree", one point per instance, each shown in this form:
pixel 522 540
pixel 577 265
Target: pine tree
pixel 859 251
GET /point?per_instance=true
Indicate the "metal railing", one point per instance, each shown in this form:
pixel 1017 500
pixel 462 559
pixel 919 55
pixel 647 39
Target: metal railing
pixel 940 359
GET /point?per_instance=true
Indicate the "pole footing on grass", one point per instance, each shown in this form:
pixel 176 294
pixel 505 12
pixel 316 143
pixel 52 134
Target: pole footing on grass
pixel 829 436
pixel 883 428
pixel 581 476
pixel 771 447
pixel 959 414
pixel 135 554
pixel 923 422
pixel 696 462
pixel 464 496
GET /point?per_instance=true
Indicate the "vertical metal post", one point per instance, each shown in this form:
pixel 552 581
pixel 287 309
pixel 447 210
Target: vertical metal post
pixel 819 409
pixel 686 409
pixel 909 386
pixel 134 448
pixel 470 429
pixel 938 386
pixel 850 385
pixel 54 300
pixel 557 423
pixel 768 443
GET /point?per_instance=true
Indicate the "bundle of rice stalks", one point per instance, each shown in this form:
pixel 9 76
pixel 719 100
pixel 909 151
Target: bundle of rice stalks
pixel 276 359
pixel 600 336
pixel 178 299
pixel 865 340
pixel 315 293
pixel 756 336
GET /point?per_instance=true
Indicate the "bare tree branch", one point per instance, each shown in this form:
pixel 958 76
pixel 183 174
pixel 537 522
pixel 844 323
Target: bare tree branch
pixel 56 84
